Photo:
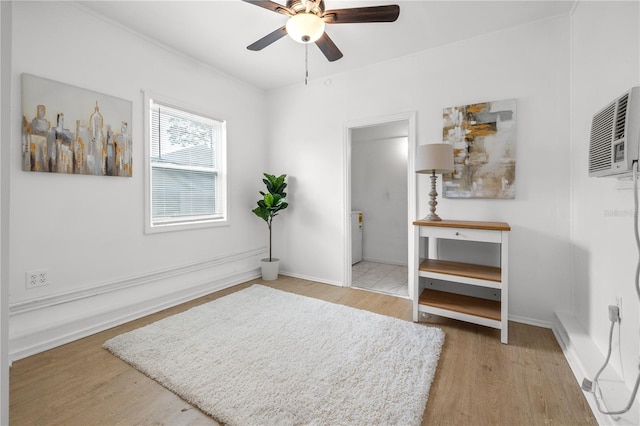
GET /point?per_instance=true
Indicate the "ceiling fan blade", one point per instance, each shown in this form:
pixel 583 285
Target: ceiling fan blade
pixel 387 13
pixel 268 39
pixel 273 6
pixel 328 47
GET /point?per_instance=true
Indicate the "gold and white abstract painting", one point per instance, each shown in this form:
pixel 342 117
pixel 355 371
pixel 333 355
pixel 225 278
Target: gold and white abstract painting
pixel 483 136
pixel 66 129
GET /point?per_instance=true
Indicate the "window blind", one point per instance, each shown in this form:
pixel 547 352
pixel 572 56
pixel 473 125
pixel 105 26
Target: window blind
pixel 184 165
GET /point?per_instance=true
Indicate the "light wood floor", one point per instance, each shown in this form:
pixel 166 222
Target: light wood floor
pixel 479 381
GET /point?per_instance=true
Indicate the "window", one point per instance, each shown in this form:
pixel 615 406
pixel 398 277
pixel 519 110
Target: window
pixel 186 180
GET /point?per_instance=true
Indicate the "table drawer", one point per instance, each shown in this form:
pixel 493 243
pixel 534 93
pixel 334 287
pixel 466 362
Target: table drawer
pixel 462 234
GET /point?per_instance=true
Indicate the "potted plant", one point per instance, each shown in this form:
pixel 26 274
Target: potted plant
pixel 272 202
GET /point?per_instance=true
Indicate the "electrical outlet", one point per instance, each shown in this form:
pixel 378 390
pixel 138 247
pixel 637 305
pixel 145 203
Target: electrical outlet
pixel 37 278
pixel 619 305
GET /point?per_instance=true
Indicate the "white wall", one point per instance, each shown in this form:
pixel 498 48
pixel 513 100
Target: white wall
pixel 5 133
pixel 307 237
pixel 529 63
pixel 88 231
pixel 379 190
pixel 605 62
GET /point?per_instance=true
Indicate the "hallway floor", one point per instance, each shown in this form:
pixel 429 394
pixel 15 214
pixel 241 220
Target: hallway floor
pixel 380 277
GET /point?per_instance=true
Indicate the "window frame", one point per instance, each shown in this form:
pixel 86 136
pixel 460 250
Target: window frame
pixel 222 184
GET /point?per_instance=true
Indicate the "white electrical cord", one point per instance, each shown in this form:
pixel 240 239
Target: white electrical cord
pixel 598 394
pixel 635 224
pixel 596 391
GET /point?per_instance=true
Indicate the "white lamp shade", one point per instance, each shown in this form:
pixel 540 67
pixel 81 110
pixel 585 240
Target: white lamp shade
pixel 436 157
pixel 305 27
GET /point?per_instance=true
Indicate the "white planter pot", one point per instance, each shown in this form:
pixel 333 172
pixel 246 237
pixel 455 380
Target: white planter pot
pixel 270 269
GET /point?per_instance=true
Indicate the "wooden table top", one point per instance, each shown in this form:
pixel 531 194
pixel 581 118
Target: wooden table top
pixel 469 224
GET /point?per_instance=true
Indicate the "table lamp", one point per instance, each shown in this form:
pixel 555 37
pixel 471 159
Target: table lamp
pixel 434 158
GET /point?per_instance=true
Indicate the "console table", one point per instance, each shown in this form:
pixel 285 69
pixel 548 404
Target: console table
pixel 477 310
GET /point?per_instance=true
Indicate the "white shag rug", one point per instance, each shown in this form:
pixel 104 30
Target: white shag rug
pixel 267 357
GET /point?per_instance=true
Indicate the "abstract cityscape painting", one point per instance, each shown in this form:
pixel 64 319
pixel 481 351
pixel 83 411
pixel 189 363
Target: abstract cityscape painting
pixel 66 129
pixel 483 136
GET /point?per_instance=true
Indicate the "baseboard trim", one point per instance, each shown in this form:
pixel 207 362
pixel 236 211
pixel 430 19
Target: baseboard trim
pixel 117 285
pixel 71 316
pixel 314 279
pixel 104 320
pixel 388 262
pixel 530 321
pixel 585 359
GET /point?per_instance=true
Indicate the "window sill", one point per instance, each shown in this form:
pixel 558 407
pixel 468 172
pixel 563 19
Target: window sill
pixel 172 227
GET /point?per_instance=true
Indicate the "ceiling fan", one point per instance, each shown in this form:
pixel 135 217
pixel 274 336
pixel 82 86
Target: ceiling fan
pixel 307 20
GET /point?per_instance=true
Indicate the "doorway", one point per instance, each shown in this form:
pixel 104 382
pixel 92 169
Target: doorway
pixel 380 203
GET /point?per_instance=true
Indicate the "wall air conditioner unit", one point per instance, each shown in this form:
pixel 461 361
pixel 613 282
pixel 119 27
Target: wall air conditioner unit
pixel 615 137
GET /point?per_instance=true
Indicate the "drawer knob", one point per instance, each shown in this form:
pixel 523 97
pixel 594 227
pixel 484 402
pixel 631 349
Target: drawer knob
pixel 457 233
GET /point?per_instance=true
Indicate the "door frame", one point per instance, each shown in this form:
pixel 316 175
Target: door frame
pixel 410 118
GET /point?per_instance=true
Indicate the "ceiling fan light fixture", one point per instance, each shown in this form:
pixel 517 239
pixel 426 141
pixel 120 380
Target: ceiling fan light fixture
pixel 305 27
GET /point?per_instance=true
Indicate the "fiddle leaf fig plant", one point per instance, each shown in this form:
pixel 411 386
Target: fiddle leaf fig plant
pixel 272 202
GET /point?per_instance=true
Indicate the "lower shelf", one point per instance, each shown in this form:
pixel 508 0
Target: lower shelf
pixel 468 305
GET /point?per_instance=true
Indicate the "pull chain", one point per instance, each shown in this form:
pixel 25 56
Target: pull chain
pixel 306 64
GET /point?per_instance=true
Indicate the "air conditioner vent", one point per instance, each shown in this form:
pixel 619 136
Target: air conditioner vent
pixel 600 150
pixel 621 117
pixel 615 136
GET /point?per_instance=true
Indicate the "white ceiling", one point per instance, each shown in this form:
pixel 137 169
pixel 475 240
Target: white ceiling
pixel 217 32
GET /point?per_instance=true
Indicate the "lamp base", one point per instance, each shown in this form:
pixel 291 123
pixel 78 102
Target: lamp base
pixel 432 216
